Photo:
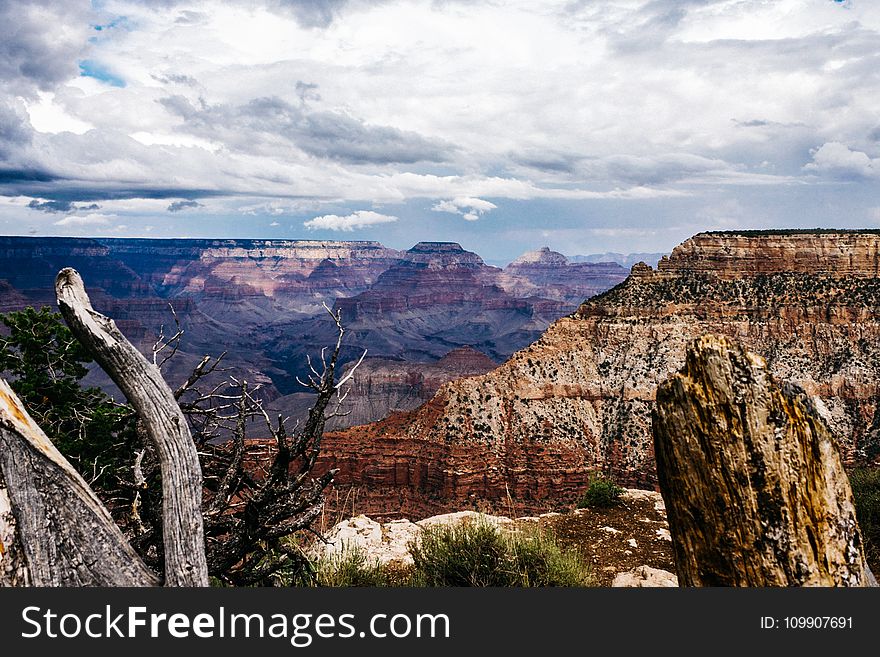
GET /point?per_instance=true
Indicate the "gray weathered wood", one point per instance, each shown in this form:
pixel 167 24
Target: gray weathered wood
pixel 755 491
pixel 146 390
pixel 13 564
pixel 53 528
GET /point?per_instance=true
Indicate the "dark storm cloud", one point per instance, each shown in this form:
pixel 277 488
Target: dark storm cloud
pixel 177 206
pixel 60 206
pixel 11 178
pixel 260 124
pixel 32 54
pixel 47 185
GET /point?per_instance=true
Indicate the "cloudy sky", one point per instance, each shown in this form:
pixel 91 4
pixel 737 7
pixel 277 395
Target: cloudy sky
pixel 506 125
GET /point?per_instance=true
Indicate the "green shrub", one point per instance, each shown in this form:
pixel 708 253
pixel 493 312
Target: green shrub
pixel 350 568
pixel 865 483
pixel 479 554
pixel 602 493
pixel 45 366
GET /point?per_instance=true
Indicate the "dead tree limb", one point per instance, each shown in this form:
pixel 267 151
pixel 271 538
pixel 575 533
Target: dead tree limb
pixel 166 426
pixel 54 531
pixel 754 487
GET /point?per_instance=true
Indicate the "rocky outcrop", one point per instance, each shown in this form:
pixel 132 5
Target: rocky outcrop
pixel 549 274
pixel 580 398
pixel 818 252
pixel 755 490
pixel 384 386
pixel 388 542
pixel 626 545
pixel 645 577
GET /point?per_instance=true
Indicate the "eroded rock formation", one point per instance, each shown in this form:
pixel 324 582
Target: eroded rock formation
pixel 261 301
pixel 580 398
pixel 755 491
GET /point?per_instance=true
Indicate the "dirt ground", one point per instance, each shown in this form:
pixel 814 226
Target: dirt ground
pixel 633 533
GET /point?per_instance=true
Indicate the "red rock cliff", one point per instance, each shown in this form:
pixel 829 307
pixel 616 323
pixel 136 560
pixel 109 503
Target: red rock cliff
pixel 580 398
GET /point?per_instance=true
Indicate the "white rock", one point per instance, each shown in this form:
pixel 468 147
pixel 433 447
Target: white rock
pixel 610 530
pixel 389 542
pixel 637 494
pixel 633 543
pixel 645 576
pixel 463 516
pixel 663 534
pixel 384 543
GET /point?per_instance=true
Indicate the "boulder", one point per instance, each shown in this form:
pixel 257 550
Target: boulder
pixel 645 576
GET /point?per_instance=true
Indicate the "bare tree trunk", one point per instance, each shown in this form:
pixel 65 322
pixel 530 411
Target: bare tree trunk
pixel 54 531
pixel 13 565
pixel 146 390
pixel 754 488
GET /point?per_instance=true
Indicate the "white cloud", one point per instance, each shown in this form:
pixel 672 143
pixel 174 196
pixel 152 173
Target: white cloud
pixel 48 116
pixel 262 111
pixel 469 208
pixel 91 219
pixel 838 160
pixel 358 219
pixel 274 224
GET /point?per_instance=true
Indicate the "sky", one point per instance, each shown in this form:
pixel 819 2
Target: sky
pixel 504 125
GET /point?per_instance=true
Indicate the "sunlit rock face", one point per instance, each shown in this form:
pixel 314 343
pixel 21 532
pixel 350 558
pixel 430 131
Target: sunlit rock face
pixel 580 398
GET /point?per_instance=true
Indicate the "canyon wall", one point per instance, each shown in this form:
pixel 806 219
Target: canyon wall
pixel 579 399
pixel 261 301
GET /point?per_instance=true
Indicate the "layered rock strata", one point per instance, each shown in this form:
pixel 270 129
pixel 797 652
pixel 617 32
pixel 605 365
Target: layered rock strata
pixel 261 301
pixel 579 399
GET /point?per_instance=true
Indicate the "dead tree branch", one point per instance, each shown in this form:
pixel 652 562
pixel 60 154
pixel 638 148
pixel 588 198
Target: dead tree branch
pixel 165 424
pixel 259 497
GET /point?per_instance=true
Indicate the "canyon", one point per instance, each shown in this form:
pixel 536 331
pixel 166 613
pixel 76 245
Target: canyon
pixel 577 402
pixel 425 316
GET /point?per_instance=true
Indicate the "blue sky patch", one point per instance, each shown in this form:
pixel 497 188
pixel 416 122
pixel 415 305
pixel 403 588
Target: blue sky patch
pixel 92 69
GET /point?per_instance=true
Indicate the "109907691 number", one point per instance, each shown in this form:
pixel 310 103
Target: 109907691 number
pixel 817 622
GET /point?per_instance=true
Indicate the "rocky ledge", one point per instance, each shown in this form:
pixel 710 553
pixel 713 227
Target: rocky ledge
pixel 627 545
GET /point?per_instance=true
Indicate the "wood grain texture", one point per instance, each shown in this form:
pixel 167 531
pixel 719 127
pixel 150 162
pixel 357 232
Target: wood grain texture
pixel 149 394
pixel 13 564
pixel 60 533
pixel 755 491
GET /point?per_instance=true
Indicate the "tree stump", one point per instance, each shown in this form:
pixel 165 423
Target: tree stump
pixel 755 491
pixel 54 531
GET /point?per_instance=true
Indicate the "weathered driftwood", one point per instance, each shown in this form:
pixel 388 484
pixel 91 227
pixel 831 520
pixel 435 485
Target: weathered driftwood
pixel 166 426
pixel 54 531
pixel 13 564
pixel 754 488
